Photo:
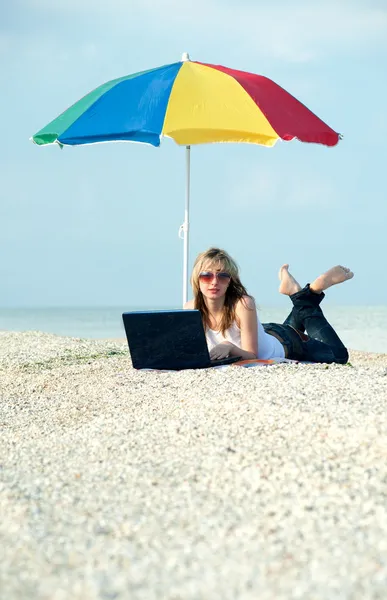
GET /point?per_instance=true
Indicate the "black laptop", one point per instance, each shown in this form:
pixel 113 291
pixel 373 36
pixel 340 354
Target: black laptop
pixel 169 339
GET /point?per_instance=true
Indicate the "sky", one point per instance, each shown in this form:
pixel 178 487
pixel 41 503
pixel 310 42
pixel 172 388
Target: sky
pixel 98 225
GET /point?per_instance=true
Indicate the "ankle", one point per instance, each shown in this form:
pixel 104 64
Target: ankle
pixel 316 287
pixel 315 290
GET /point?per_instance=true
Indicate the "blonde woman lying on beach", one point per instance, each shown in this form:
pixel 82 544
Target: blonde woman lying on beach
pixel 232 325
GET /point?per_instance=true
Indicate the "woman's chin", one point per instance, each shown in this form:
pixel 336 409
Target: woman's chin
pixel 215 294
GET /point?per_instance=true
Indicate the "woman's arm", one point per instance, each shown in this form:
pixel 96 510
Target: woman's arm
pixel 248 323
pixel 247 314
pixel 246 311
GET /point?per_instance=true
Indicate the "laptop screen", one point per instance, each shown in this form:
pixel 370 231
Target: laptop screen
pixel 166 339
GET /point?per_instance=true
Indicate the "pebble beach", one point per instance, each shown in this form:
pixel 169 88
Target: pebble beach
pixel 264 483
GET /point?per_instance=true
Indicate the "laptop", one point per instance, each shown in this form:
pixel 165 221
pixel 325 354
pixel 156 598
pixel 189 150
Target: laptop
pixel 169 339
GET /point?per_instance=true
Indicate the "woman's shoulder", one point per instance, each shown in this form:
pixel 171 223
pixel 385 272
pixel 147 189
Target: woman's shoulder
pixel 245 303
pixel 189 305
pixel 245 312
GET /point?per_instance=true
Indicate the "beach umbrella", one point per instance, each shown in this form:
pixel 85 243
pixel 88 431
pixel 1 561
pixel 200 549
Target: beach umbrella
pixel 192 103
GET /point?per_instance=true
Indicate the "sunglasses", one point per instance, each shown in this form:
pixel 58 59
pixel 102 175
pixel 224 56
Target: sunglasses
pixel 208 276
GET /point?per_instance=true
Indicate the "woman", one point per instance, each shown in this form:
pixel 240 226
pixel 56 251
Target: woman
pixel 232 326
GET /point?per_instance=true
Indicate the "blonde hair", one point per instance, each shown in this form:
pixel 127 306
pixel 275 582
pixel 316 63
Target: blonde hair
pixel 235 291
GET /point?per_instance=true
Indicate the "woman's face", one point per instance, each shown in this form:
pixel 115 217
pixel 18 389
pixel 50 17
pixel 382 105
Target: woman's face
pixel 214 281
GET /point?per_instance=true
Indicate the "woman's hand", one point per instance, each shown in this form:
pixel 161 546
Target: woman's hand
pixel 223 350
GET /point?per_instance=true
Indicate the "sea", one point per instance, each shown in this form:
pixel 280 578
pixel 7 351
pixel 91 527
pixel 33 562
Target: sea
pixel 359 327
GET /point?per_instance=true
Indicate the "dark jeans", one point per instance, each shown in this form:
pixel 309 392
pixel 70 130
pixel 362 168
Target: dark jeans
pixel 322 344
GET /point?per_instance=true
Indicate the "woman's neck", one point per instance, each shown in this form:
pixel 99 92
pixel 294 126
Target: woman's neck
pixel 215 307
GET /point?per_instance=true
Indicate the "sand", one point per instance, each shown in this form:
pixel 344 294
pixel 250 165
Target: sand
pixel 266 483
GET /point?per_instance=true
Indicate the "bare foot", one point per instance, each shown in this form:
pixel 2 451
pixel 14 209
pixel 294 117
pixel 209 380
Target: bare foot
pixel 335 275
pixel 288 285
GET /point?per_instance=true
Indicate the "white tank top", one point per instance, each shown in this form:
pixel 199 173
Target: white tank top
pixel 268 345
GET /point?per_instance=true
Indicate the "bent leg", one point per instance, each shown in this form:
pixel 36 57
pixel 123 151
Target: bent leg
pixel 306 309
pixel 288 286
pixel 300 347
pixel 294 321
pixel 319 352
pixel 324 344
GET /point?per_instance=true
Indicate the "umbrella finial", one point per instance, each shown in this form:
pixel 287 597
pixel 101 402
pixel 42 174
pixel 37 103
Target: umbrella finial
pixel 185 57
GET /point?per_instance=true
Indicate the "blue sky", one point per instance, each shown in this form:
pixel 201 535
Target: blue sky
pixel 98 225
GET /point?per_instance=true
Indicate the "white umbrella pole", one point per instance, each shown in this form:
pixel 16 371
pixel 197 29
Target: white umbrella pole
pixel 184 229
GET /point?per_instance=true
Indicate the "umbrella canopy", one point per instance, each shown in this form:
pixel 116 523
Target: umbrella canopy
pixel 192 103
